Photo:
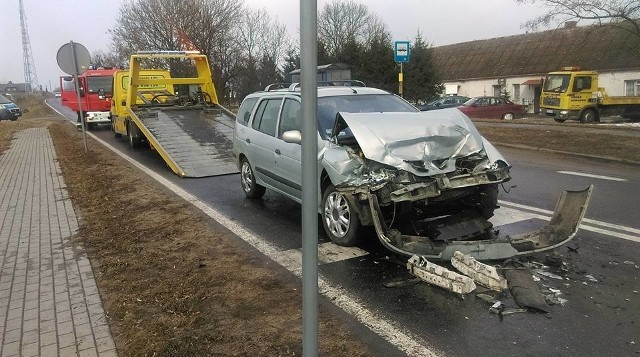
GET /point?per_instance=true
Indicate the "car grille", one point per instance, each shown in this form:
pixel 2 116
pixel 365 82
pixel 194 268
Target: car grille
pixel 551 101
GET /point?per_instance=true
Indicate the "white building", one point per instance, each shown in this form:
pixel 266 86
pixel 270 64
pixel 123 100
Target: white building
pixel 517 65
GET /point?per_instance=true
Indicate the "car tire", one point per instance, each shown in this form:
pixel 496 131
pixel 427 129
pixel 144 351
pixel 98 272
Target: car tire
pixel 250 188
pixel 560 120
pixel 339 218
pixel 508 116
pixel 488 201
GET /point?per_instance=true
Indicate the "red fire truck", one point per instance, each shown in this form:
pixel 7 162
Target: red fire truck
pixel 96 88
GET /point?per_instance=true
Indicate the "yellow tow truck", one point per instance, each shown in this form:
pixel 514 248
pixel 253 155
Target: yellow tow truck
pixel 575 94
pixel 188 127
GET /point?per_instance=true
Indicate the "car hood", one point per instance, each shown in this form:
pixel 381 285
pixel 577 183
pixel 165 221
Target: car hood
pixel 424 143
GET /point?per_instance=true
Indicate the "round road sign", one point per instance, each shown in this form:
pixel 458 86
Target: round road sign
pixel 70 65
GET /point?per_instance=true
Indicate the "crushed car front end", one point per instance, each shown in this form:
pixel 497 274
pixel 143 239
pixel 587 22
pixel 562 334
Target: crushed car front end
pixel 428 182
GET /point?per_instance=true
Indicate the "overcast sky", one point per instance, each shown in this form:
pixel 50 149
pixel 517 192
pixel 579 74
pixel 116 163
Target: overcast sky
pixel 56 22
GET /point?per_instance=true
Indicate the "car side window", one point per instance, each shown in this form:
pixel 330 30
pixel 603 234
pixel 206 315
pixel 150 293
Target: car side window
pixel 483 101
pixel 266 117
pixel 499 101
pixel 291 116
pixel 245 110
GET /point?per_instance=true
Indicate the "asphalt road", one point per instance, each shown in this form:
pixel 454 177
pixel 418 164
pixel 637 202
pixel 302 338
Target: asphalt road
pixel 602 312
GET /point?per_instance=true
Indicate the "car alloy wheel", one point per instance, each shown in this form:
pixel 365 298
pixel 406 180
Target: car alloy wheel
pixel 247 179
pixel 339 218
pixel 337 214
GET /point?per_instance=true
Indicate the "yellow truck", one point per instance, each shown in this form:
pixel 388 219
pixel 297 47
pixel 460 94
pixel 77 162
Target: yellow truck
pixel 575 94
pixel 178 117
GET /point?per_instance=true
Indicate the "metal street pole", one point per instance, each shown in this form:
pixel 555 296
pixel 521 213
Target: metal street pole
pixel 308 69
pixel 77 82
pixel 400 81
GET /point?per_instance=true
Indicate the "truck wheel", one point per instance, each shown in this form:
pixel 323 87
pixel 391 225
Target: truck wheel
pixel 339 218
pixel 248 179
pixel 113 128
pixel 588 116
pixel 560 120
pixel 133 141
pixel 507 116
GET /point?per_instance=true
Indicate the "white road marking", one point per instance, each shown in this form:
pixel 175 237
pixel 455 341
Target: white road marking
pixel 505 215
pixel 328 253
pixel 610 178
pixel 592 225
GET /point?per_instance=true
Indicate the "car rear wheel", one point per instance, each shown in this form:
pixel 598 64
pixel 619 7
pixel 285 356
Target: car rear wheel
pixel 339 218
pixel 507 116
pixel 248 179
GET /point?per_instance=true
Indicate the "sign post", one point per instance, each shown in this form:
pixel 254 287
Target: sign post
pixel 401 51
pixel 73 59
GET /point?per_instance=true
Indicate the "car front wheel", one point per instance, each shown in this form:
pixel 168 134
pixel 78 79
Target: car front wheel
pixel 339 218
pixel 248 179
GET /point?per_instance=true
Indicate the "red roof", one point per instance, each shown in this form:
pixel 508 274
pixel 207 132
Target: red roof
pixel 533 82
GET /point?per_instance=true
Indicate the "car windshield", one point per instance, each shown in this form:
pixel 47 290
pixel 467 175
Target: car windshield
pixel 328 107
pixel 556 83
pixel 4 100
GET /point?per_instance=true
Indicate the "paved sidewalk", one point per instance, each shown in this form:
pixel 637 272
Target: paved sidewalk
pixel 49 302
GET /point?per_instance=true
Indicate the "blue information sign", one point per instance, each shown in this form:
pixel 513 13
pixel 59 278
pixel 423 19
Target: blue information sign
pixel 401 51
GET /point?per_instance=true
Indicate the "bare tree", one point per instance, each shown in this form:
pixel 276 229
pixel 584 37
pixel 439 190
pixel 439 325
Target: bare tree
pixel 205 25
pixel 107 59
pixel 621 13
pixel 263 42
pixel 342 22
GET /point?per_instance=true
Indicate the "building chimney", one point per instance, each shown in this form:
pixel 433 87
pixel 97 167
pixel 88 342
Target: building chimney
pixel 570 24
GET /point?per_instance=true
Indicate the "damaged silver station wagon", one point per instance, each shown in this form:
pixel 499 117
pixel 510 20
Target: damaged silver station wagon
pixel 427 181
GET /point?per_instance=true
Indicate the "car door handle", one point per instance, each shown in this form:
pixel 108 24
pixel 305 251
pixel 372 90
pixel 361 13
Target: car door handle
pixel 278 151
pixel 248 140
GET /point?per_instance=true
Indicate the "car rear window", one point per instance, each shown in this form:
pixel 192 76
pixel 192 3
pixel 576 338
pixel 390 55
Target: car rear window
pixel 245 110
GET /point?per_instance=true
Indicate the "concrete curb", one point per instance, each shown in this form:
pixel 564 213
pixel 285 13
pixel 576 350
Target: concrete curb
pixel 597 157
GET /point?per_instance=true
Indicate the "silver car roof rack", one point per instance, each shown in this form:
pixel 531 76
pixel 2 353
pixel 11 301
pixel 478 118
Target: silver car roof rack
pixel 337 83
pixel 275 86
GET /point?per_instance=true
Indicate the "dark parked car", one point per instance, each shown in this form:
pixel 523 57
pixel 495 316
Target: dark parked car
pixel 8 109
pixel 444 102
pixel 492 108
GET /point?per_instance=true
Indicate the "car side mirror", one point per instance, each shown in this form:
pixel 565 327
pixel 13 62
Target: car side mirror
pixel 292 136
pixel 81 92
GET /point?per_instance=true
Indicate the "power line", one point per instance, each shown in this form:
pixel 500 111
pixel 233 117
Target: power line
pixel 30 76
